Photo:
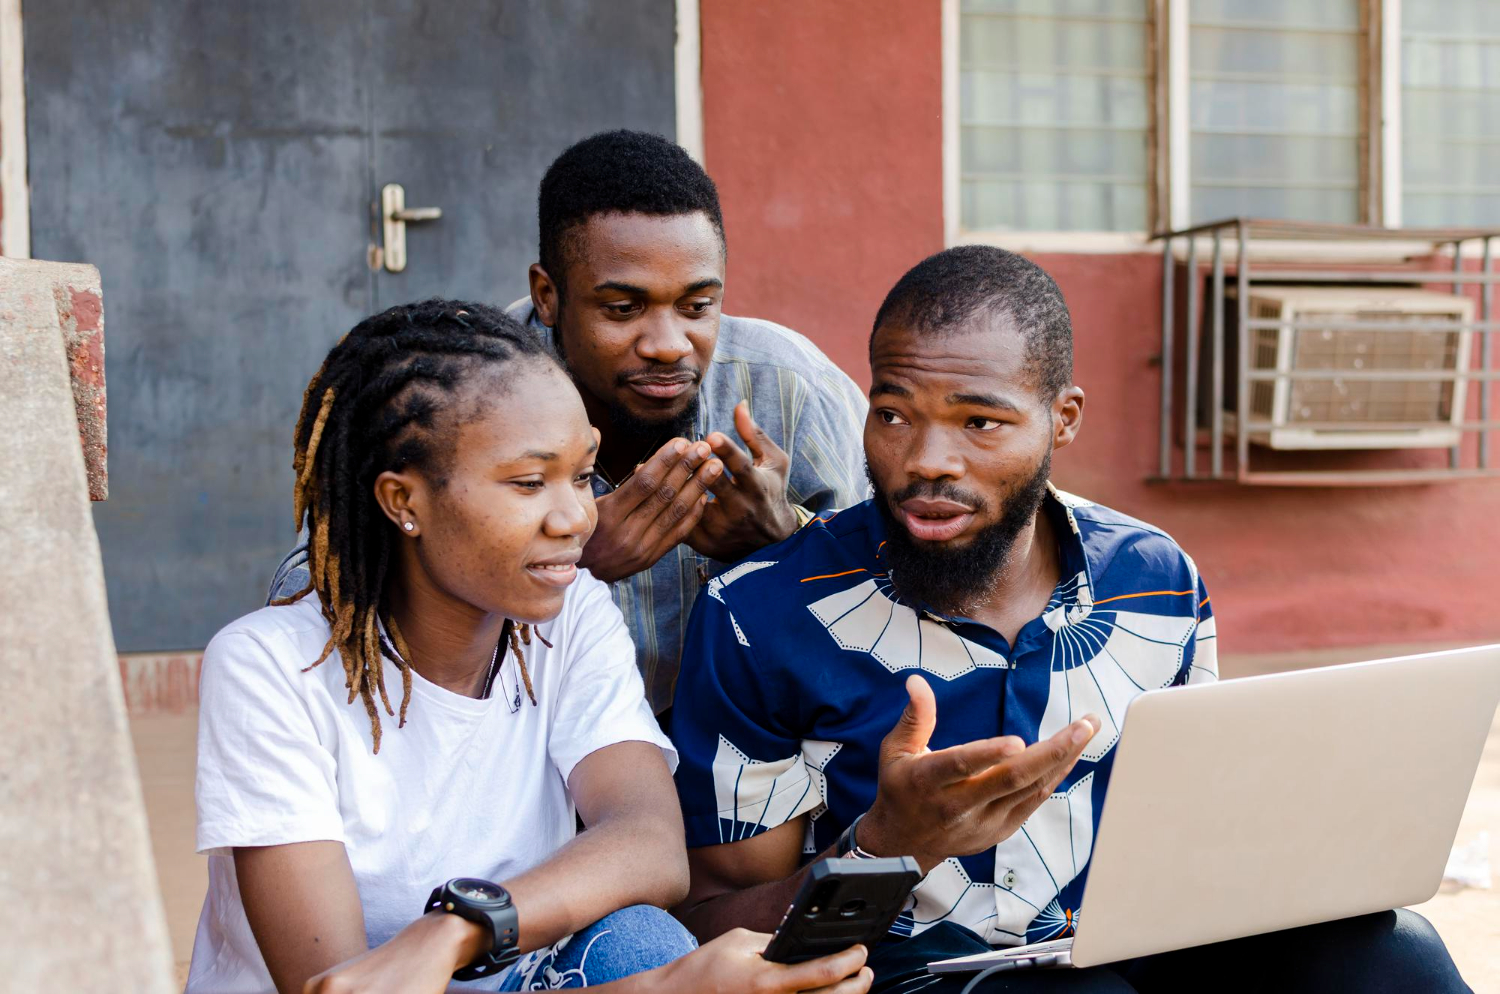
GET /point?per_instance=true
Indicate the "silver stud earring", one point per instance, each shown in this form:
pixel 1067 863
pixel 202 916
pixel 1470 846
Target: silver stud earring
pixel 408 526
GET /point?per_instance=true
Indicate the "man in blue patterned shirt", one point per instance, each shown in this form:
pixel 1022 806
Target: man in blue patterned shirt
pixel 942 670
pixel 689 402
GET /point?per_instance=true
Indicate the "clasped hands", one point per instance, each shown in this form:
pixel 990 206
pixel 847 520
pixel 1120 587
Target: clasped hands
pixel 713 495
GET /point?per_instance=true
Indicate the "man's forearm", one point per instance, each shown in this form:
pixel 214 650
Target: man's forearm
pixel 759 908
pixel 610 866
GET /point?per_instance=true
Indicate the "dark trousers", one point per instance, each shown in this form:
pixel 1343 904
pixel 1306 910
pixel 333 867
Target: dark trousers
pixel 1394 951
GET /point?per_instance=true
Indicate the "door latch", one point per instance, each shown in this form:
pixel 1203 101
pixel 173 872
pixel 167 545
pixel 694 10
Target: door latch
pixel 395 216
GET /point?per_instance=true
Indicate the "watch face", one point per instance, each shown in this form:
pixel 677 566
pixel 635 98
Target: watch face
pixel 481 891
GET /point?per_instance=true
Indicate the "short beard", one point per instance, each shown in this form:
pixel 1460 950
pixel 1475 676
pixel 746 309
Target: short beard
pixel 626 425
pixel 952 578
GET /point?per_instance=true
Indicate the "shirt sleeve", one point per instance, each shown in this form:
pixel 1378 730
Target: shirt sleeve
pixel 602 700
pixel 1203 661
pixel 264 777
pixel 827 444
pixel 742 771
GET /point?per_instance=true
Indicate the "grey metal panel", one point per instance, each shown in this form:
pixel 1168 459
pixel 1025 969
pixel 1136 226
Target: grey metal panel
pixel 218 163
pixel 212 160
pixel 474 102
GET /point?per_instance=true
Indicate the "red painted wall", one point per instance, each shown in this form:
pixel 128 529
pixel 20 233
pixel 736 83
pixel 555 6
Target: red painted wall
pixel 822 130
pixel 1287 568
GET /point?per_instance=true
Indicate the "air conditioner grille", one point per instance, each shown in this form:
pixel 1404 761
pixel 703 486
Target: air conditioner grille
pixel 1339 348
pixel 1364 401
pixel 1263 392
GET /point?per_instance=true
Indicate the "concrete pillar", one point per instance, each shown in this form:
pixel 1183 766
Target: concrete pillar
pixel 79 903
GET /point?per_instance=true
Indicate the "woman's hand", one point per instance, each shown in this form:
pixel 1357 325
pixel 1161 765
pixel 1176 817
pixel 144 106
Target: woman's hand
pixel 420 959
pixel 732 964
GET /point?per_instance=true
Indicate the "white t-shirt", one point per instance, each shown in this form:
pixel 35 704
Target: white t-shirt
pixel 469 788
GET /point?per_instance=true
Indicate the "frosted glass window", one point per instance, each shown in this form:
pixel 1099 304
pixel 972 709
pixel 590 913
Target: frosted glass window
pixel 1273 107
pixel 1054 111
pixel 1450 113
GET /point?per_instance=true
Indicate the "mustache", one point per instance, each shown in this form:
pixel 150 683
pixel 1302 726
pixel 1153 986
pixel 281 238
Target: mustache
pixel 679 372
pixel 939 490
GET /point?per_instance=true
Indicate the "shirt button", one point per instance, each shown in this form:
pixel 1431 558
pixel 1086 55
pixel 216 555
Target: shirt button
pixel 1009 880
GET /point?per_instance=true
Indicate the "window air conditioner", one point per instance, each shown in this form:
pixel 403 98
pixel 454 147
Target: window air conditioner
pixel 1340 413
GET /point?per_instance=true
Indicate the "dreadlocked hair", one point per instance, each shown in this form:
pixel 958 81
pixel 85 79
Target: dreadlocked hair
pixel 383 400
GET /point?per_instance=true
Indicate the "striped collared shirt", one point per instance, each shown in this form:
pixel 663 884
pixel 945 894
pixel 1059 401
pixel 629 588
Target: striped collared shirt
pixel 806 404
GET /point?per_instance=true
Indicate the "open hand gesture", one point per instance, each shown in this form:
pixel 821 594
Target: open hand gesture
pixel 964 799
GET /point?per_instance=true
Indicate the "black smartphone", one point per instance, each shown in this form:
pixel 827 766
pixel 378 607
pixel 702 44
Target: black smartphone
pixel 843 902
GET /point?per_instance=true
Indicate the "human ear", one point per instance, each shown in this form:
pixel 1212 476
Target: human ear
pixel 544 295
pixel 400 496
pixel 1067 416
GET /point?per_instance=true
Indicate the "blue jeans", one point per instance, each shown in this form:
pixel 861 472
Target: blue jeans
pixel 1393 952
pixel 632 940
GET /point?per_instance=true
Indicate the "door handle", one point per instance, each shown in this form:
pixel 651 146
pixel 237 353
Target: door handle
pixel 395 216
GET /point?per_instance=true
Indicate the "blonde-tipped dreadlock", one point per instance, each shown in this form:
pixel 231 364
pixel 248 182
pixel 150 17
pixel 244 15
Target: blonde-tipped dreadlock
pixel 381 401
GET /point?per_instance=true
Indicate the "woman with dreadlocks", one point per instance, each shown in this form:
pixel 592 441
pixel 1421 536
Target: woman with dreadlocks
pixel 391 762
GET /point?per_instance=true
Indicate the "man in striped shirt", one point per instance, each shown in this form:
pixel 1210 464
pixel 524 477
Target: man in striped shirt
pixel 690 402
pixel 719 434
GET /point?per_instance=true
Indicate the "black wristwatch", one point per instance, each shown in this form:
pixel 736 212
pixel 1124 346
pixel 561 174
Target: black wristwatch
pixel 487 905
pixel 847 845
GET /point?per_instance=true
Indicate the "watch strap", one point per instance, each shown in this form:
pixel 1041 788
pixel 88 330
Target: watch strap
pixel 503 924
pixel 848 844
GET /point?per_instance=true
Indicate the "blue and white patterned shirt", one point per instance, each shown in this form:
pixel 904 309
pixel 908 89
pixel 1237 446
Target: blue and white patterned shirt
pixel 795 670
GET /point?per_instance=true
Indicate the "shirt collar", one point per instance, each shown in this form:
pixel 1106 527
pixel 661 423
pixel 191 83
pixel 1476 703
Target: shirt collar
pixel 1074 590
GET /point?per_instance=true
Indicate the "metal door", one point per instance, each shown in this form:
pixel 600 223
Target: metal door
pixel 478 98
pixel 221 163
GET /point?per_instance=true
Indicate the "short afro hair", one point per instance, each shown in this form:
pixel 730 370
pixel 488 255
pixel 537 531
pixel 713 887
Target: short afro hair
pixel 945 291
pixel 626 172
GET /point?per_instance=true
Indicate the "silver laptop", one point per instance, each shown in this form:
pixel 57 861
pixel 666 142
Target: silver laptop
pixel 1271 802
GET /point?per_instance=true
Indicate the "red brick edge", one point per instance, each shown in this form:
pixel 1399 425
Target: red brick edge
pixel 160 682
pixel 80 312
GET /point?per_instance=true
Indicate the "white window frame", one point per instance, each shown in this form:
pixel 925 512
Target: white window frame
pixel 1178 125
pixel 1016 241
pixel 1172 133
pixel 687 57
pixel 1390 113
pixel 15 195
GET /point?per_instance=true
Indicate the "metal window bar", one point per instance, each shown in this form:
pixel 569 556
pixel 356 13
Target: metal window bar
pixel 1378 375
pixel 1486 350
pixel 1190 372
pixel 1242 392
pixel 1167 302
pixel 1246 273
pixel 1216 365
pixel 1456 453
pixel 1435 277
